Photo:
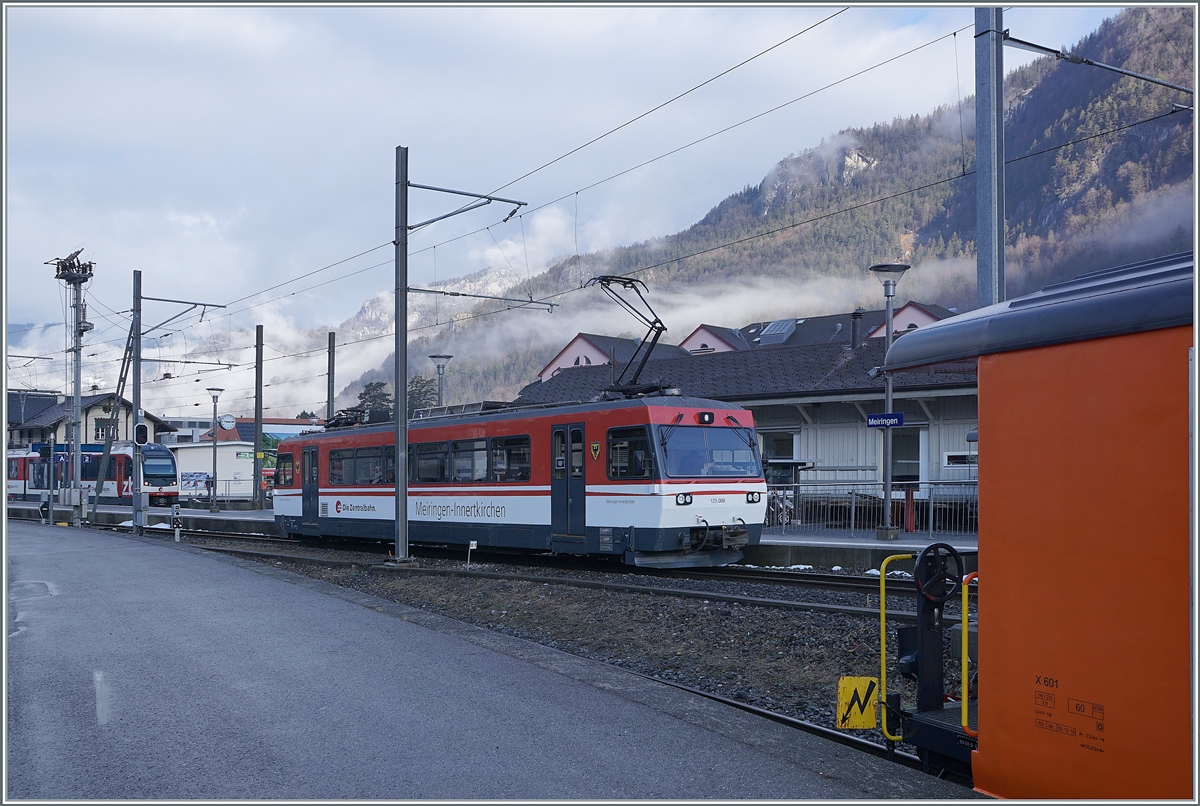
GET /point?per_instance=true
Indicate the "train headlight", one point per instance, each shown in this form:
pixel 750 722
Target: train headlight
pixel 753 498
pixel 683 499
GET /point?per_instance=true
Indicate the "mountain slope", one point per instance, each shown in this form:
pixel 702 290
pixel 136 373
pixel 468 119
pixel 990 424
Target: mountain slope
pixel 1089 183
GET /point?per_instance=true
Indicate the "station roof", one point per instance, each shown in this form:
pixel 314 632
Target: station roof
pixel 780 372
pixel 45 411
pixel 1134 298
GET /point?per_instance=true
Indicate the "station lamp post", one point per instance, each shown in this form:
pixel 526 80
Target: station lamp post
pixel 889 275
pixel 440 361
pixel 215 392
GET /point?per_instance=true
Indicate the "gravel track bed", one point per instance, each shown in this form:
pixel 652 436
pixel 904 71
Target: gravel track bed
pixel 784 661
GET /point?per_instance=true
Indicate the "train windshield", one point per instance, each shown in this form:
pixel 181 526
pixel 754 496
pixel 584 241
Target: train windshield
pixel 691 451
pixel 158 471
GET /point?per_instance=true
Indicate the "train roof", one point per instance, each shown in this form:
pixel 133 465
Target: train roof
pixel 508 412
pixel 1134 298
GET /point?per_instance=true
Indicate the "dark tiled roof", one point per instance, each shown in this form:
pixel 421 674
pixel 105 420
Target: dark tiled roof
pixel 49 415
pixel 626 348
pixel 832 329
pixel 25 406
pixel 784 371
pixel 732 335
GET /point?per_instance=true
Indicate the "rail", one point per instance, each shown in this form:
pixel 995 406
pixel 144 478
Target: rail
pixel 930 507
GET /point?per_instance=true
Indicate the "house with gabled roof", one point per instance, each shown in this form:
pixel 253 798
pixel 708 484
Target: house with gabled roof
pixel 43 417
pixel 591 349
pixel 838 328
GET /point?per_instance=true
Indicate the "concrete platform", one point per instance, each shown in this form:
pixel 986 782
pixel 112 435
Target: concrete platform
pixel 142 669
pixel 825 548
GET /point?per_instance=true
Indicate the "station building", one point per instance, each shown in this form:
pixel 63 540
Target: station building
pixel 809 383
pixel 43 417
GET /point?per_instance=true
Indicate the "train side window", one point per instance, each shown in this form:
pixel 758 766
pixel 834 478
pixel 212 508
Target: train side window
pixel 310 468
pixel 629 454
pixel 283 470
pixel 511 459
pixel 428 463
pixel 341 467
pixel 368 466
pixel 560 455
pixel 470 460
pixel 14 469
pixel 576 453
pixel 389 464
pixel 39 475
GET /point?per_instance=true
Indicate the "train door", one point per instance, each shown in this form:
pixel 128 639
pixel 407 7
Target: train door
pixel 568 492
pixel 310 490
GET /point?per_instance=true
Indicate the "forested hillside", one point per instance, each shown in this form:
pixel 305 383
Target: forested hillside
pixel 1099 173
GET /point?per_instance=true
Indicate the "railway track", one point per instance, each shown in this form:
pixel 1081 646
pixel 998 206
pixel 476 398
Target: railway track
pixel 377 561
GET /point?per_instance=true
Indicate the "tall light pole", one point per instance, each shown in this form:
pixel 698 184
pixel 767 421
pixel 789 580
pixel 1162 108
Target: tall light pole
pixel 440 361
pixel 215 392
pixel 889 274
pixel 75 273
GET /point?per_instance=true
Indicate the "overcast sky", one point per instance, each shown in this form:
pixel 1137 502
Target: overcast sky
pixel 222 151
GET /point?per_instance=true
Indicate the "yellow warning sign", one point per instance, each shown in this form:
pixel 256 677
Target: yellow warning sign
pixel 856 702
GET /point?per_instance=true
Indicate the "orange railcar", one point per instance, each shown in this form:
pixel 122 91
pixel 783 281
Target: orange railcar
pixel 1085 650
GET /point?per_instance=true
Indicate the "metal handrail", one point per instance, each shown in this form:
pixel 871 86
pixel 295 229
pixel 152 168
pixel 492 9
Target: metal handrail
pixel 883 642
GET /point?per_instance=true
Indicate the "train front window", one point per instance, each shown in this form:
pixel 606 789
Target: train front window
pixel 158 471
pixel 696 451
pixel 629 454
pixel 283 470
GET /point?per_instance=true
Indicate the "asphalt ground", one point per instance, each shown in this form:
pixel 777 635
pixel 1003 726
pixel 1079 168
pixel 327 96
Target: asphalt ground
pixel 138 668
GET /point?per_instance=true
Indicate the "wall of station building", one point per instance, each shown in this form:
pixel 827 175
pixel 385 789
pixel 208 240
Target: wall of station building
pixel 838 440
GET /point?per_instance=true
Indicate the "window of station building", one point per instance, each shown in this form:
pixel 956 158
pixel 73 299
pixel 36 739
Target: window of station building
pixel 368 466
pixel 470 460
pixel 511 459
pixel 906 454
pixel 283 470
pixel 629 454
pixel 341 466
pixel 960 459
pixel 428 463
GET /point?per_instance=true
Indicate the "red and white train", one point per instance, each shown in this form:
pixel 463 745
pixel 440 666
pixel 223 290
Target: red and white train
pixel 30 474
pixel 663 481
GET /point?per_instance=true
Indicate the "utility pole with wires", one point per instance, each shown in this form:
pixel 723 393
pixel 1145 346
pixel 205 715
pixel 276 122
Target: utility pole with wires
pixel 139 504
pixel 75 273
pixel 400 366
